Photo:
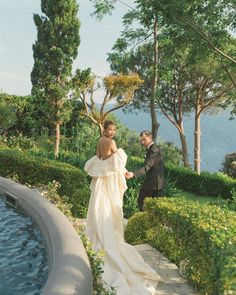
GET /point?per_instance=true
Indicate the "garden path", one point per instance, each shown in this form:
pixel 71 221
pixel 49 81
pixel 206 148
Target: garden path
pixel 173 283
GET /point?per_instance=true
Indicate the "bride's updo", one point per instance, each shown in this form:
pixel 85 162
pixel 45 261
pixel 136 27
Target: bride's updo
pixel 107 123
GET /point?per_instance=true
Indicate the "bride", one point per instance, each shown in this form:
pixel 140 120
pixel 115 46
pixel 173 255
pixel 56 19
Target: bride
pixel 124 268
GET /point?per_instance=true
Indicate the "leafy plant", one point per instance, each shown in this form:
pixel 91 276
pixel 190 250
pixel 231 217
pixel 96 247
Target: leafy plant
pixel 7 116
pixel 96 261
pixel 203 236
pixel 130 206
pixel 38 171
pixel 229 165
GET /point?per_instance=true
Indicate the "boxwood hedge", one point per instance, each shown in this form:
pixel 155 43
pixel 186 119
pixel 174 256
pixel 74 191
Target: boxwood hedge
pixel 200 238
pixel 40 171
pixel 212 184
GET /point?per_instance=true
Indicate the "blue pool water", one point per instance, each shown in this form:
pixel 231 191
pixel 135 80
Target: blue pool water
pixel 23 257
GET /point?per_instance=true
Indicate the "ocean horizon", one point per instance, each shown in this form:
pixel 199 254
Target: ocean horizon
pixel 218 134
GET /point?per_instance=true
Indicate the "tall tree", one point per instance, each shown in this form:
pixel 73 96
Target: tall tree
pixel 198 84
pixel 230 70
pixel 202 73
pixel 175 97
pixel 120 88
pixel 149 21
pixel 150 17
pixel 54 52
pixel 211 86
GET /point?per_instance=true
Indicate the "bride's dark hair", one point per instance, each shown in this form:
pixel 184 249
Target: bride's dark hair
pixel 107 123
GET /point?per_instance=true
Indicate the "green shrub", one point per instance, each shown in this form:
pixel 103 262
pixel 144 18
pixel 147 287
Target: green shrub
pixel 39 171
pixel 135 232
pixel 200 237
pixel 130 204
pixel 7 116
pixel 80 200
pixel 229 165
pixel 18 142
pixel 171 154
pixel 51 193
pixel 75 159
pixel 215 184
pixel 100 287
pixel 226 204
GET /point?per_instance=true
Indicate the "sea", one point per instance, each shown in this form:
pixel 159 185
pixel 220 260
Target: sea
pixel 218 134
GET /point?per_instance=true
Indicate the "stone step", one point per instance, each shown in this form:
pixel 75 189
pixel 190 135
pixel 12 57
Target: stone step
pixel 173 283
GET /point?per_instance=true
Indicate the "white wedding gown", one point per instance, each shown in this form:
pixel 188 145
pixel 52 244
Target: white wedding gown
pixel 124 268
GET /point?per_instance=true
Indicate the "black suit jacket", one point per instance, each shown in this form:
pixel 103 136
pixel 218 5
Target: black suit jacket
pixel 153 169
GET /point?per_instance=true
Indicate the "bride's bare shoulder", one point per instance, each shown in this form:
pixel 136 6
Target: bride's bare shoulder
pixel 111 144
pixel 106 147
pixel 106 141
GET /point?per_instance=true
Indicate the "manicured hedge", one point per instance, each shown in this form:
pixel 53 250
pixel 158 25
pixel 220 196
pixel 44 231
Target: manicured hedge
pixel 215 184
pixel 38 170
pixel 200 238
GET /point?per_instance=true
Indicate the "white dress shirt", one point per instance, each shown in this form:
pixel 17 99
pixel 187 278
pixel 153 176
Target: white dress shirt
pixel 150 145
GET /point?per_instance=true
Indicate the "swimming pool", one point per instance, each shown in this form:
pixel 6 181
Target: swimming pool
pixel 23 256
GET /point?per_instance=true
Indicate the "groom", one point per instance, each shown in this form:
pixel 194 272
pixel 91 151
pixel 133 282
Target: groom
pixel 153 169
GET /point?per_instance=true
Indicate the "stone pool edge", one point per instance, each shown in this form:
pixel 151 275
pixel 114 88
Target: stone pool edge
pixel 69 268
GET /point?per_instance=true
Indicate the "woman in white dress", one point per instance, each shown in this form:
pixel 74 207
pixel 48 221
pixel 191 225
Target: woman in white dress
pixel 124 268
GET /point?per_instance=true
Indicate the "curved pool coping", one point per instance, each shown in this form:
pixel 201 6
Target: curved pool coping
pixel 69 268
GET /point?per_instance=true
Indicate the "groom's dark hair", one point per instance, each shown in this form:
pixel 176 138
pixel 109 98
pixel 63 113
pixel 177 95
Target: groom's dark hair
pixel 146 132
pixel 107 123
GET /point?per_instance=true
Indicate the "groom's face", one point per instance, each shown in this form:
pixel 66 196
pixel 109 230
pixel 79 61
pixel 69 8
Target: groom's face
pixel 146 140
pixel 110 131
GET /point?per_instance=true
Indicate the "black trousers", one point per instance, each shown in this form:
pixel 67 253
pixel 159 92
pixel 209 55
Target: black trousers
pixel 143 193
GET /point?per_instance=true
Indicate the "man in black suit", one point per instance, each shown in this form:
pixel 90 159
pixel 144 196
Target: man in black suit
pixel 153 168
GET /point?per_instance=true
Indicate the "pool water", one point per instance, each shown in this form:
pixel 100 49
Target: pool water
pixel 23 257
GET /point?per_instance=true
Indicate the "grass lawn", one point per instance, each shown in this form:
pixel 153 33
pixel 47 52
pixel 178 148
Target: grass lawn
pixel 197 198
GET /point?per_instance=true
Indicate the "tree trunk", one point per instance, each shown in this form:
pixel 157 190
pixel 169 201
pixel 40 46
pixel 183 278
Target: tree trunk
pixel 197 138
pixel 181 125
pixel 184 148
pixel 57 140
pixel 100 129
pixel 155 124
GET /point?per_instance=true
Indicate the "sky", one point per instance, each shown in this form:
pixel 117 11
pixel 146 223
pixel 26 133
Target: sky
pixel 18 33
